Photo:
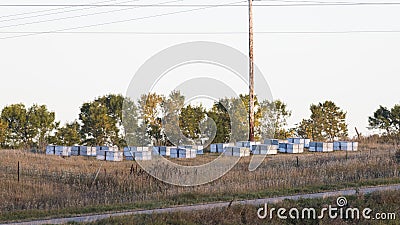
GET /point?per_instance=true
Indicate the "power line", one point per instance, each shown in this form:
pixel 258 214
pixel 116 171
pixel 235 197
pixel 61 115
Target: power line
pixel 96 3
pixel 46 10
pixel 207 5
pixel 125 5
pixel 301 1
pixel 55 13
pixel 121 21
pixel 329 32
pixel 64 31
pixel 142 5
pixel 84 15
pixel 330 4
pixel 200 33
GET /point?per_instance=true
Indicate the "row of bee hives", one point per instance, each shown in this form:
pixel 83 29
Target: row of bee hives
pixel 240 149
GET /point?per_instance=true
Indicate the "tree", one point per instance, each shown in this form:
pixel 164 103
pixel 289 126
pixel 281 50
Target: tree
pixel 242 111
pixel 238 109
pixel 220 116
pixel 190 119
pixel 43 121
pixel 68 135
pixel 231 119
pixel 98 128
pixel 327 122
pixel 150 110
pixel 171 109
pixel 395 115
pixel 102 121
pixel 114 104
pixel 313 127
pixel 387 120
pixel 334 121
pixel 305 129
pixel 3 133
pixel 15 116
pixel 274 118
pixel 130 119
pixel 28 128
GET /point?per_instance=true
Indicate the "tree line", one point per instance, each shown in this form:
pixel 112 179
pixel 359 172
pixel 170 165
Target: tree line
pixel 114 120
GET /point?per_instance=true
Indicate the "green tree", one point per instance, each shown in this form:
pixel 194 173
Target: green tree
pixel 3 133
pixel 68 135
pixel 43 121
pixel 102 121
pixel 28 128
pixel 150 110
pixel 171 109
pixel 327 122
pixel 239 116
pixel 395 112
pixel 387 120
pixel 231 119
pixel 305 129
pixel 19 133
pixel 334 121
pixel 219 114
pixel 130 119
pixel 274 118
pixel 190 119
pixel 382 120
pixel 313 128
pixel 244 116
pixel 98 128
pixel 114 104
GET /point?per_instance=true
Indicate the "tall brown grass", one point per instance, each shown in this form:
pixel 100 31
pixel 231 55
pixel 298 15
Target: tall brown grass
pixel 382 202
pixel 50 182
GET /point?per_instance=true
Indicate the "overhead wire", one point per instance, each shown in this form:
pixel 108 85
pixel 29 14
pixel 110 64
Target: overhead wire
pixel 78 16
pixel 46 10
pixel 125 20
pixel 65 11
pixel 203 33
pixel 206 5
pixel 96 4
pixel 64 31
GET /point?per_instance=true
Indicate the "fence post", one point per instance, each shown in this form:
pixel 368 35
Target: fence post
pixel 18 171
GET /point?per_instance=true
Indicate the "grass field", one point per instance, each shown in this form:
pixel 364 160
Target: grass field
pixel 381 202
pixel 52 186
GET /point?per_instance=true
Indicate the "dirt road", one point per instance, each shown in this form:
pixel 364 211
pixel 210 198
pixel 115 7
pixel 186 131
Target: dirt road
pixel 209 206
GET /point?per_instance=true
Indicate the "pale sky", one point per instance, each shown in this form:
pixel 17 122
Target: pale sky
pixel 358 71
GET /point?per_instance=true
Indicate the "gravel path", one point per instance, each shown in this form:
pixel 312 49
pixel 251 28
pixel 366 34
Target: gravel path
pixel 209 206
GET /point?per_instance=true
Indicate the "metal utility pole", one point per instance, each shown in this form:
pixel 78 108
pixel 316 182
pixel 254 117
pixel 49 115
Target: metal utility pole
pixel 251 73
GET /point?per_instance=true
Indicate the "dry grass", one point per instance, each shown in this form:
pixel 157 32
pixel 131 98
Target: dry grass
pixel 382 202
pixel 55 183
